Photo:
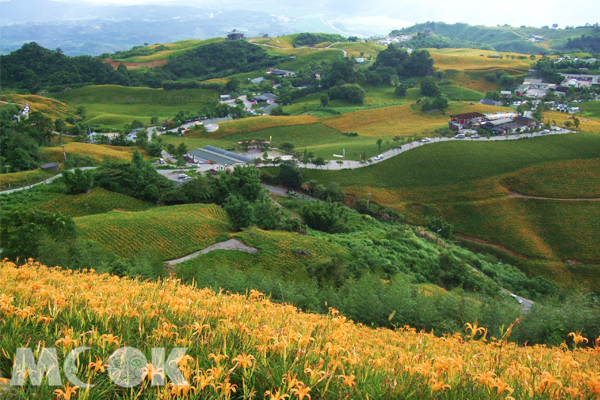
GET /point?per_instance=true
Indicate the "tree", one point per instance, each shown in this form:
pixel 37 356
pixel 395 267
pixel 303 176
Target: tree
pixel 325 216
pixel 319 161
pixel 429 88
pixel 240 212
pixel 554 26
pixel 324 100
pixel 379 142
pixel 181 149
pixel 401 90
pixel 60 126
pixel 287 147
pixel 232 84
pixel 78 181
pixel 440 226
pixel 290 175
pixel 576 122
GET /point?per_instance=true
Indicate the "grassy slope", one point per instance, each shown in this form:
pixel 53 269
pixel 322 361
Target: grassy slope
pixel 49 107
pixel 112 105
pixel 463 182
pixel 473 59
pixel 277 253
pixel 279 340
pixel 176 230
pixel 175 48
pixel 96 152
pixel 97 201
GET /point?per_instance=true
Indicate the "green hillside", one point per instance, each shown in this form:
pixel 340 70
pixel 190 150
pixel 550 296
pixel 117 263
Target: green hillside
pixel 504 38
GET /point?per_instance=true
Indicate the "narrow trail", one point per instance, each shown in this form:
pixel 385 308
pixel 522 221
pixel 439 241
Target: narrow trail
pixel 496 246
pixel 524 196
pixel 231 244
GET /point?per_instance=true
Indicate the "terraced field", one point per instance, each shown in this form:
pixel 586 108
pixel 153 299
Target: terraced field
pixel 97 201
pixel 176 230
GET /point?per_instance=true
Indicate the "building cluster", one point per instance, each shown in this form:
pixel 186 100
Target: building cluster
pixel 394 39
pixel 495 123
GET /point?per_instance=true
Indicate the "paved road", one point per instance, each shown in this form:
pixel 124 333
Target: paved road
pixel 231 244
pixel 47 181
pixel 333 165
pixel 525 303
pixel 283 192
pixel 173 174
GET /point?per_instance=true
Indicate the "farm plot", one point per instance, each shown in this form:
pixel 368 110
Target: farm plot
pixel 561 180
pixel 455 162
pixel 97 201
pixel 113 106
pixel 473 59
pixel 402 120
pixel 535 228
pixel 176 230
pixel 97 152
pixel 49 107
pixel 19 179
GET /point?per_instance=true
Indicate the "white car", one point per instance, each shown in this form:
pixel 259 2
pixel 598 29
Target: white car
pixel 475 136
pixel 460 136
pixel 425 140
pixel 377 158
pixel 183 176
pixel 516 297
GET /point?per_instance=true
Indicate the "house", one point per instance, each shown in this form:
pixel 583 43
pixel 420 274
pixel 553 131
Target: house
pixel 580 80
pixel 235 35
pixel 280 72
pixel 527 123
pixel 224 97
pixel 505 94
pixel 132 136
pixel 211 154
pixel 265 98
pixel 489 102
pixel 460 121
pixel 258 80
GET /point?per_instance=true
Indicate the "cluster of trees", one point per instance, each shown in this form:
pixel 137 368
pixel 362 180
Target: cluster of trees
pixel 217 60
pixel 434 99
pixel 502 78
pixel 418 63
pixel 20 141
pixel 33 68
pixel 584 43
pixel 311 39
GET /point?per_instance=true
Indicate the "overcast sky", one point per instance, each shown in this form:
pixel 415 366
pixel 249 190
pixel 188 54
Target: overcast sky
pixel 474 12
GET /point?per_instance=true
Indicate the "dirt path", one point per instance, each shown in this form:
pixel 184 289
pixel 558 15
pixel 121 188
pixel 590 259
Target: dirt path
pixel 496 246
pixel 524 196
pixel 231 244
pixel 136 65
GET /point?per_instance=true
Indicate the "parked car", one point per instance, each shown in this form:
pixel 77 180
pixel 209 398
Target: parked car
pixel 516 297
pixel 460 136
pixel 183 176
pixel 425 140
pixel 475 136
pixel 377 158
pixel 213 171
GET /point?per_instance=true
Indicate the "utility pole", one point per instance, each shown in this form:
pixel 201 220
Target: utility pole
pixel 7 177
pixel 500 273
pixel 368 199
pixel 64 154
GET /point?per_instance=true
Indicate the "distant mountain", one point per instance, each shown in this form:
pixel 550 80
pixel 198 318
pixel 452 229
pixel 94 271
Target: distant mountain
pixel 508 38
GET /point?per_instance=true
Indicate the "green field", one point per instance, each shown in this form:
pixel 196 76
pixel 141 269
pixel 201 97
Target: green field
pixel 97 201
pixel 277 253
pixel 468 183
pixel 114 106
pixel 321 139
pixel 175 48
pixel 455 162
pixel 590 109
pixel 175 230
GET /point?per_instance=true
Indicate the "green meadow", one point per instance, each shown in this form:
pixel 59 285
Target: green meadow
pixel 113 106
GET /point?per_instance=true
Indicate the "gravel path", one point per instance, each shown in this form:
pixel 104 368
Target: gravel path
pixel 524 196
pixel 231 244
